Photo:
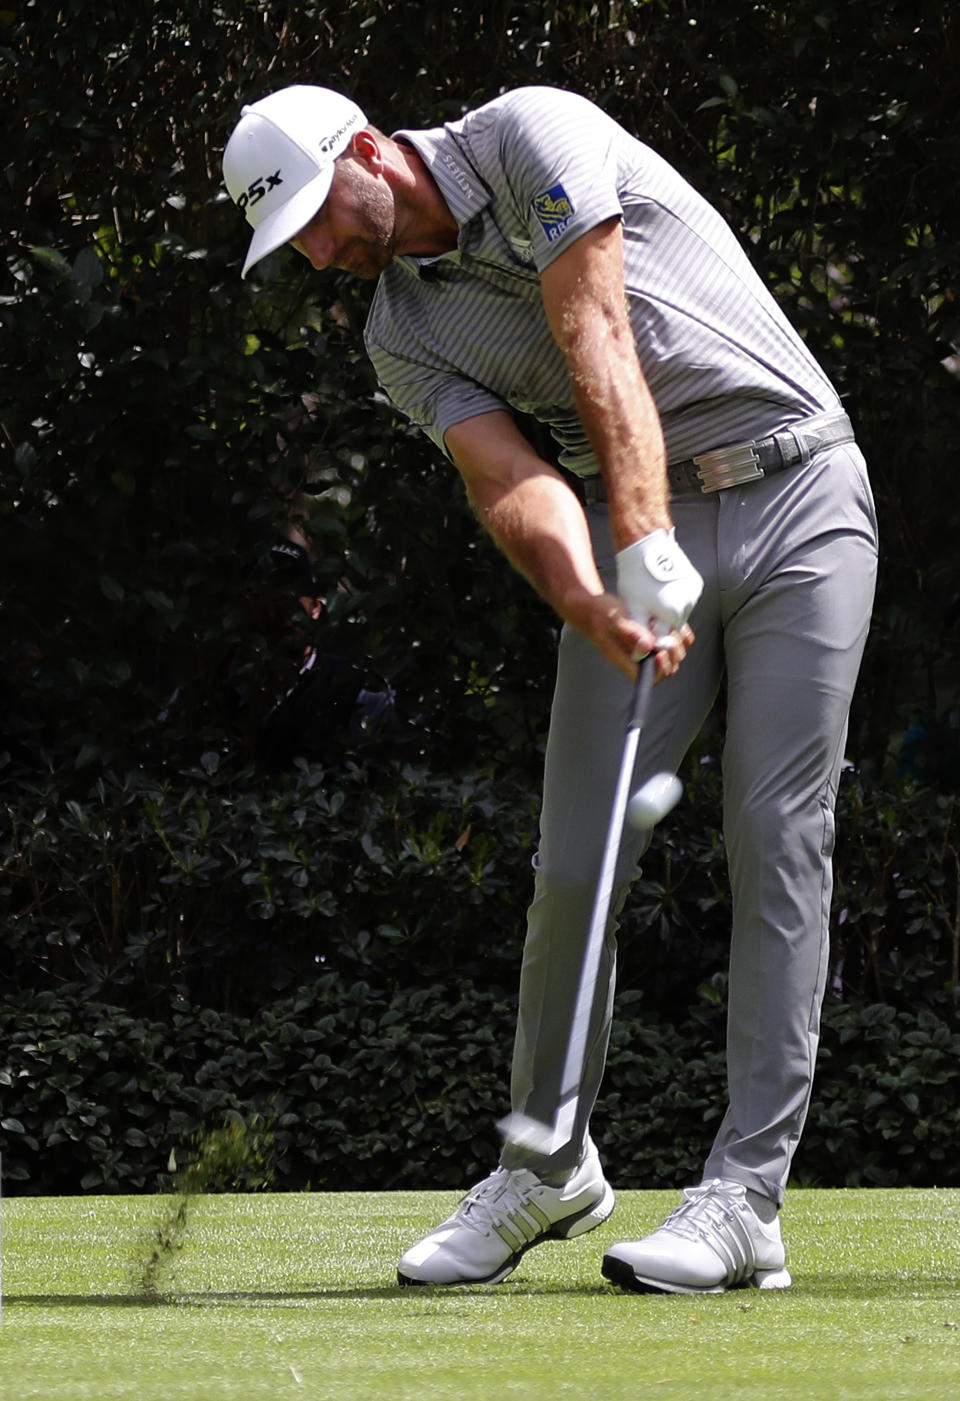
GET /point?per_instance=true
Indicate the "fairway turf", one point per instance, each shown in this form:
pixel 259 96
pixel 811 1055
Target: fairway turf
pixel 293 1296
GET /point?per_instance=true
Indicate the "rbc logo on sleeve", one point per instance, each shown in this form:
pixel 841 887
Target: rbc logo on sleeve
pixel 554 211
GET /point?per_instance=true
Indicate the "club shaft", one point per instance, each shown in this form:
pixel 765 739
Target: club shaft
pixel 576 1053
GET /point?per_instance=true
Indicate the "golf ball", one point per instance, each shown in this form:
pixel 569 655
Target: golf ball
pixel 653 800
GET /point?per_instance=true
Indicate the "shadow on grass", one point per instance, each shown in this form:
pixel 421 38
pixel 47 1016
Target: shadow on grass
pixel 196 1298
pixel 211 1298
pixel 834 1287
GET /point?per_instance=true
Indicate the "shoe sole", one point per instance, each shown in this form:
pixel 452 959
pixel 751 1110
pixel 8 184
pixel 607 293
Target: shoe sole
pixel 577 1225
pixel 623 1275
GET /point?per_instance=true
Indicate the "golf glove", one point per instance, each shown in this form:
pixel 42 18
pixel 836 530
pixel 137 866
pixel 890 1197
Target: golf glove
pixel 657 582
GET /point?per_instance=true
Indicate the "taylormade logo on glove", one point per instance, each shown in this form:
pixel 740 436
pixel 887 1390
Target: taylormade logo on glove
pixel 657 582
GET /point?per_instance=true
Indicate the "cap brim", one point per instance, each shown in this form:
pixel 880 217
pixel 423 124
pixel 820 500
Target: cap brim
pixel 286 222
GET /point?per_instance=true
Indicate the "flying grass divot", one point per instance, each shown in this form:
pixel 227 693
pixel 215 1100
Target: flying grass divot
pixel 237 1157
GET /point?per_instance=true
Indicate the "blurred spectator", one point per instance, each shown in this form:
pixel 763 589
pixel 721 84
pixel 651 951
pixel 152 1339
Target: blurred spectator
pixel 326 709
pixel 930 751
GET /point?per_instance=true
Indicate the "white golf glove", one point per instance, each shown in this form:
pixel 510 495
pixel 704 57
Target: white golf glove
pixel 657 582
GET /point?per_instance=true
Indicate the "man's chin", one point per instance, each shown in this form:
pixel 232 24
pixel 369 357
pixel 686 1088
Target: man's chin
pixel 369 265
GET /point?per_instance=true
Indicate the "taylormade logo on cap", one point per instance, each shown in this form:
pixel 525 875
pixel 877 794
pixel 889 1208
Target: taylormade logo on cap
pixel 278 163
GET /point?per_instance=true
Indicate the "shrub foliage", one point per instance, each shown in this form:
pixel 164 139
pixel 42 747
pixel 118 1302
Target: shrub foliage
pixel 333 950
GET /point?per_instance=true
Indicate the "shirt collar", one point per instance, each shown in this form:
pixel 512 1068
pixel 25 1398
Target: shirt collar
pixel 461 187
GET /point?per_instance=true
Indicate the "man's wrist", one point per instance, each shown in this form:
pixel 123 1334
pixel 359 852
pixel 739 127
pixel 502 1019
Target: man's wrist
pixel 581 605
pixel 632 522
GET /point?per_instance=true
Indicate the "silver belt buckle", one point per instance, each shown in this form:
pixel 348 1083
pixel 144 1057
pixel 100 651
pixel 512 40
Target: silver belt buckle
pixel 728 466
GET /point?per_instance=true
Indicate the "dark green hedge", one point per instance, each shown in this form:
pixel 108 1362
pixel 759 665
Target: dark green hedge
pixel 158 417
pixel 336 954
pixel 353 1088
pixel 156 413
pixel 229 891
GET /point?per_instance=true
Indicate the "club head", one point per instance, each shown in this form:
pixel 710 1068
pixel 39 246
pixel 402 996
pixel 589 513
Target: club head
pixel 531 1134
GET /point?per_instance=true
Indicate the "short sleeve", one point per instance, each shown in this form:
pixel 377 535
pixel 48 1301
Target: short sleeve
pixel 560 156
pixel 433 399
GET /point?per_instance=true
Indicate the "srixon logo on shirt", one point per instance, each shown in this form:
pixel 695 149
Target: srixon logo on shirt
pixel 554 210
pixel 256 190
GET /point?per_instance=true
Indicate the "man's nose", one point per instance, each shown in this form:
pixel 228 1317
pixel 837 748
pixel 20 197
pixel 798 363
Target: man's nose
pixel 316 249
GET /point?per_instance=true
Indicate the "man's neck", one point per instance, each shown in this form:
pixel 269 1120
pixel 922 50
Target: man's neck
pixel 425 224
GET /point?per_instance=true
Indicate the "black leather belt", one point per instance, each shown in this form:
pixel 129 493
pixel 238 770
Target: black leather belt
pixel 739 463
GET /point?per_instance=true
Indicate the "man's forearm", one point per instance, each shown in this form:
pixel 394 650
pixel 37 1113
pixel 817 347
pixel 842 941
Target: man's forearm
pixel 586 307
pixel 538 523
pixel 623 426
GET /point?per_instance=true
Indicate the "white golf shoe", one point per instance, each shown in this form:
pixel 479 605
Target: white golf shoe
pixel 501 1218
pixel 712 1242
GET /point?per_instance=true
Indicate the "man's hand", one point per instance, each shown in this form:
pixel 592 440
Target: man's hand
pixel 603 619
pixel 658 583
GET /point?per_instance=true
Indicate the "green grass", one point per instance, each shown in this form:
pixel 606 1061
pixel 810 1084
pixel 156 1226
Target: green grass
pixel 289 1296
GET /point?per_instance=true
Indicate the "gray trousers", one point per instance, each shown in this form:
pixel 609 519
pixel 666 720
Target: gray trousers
pixel 789 565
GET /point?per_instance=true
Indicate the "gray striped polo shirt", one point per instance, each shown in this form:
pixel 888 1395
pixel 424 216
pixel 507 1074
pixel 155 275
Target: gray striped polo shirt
pixel 466 333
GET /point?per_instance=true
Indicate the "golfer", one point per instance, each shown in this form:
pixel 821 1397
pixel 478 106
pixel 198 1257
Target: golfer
pixel 534 256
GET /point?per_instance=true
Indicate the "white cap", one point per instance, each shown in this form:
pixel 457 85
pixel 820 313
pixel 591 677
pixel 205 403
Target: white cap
pixel 278 163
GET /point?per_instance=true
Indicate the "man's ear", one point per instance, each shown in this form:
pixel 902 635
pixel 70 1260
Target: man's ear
pixel 365 147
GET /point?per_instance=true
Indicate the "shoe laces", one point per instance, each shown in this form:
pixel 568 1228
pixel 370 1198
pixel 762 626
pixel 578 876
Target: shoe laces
pixel 710 1209
pixel 503 1196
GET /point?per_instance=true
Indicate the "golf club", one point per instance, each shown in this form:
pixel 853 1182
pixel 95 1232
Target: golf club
pixel 653 800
